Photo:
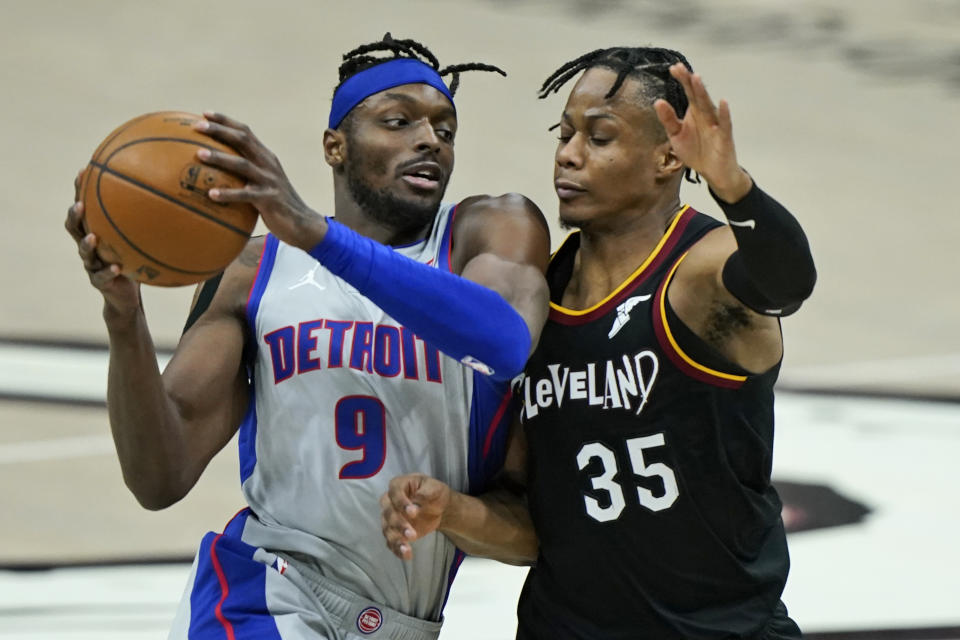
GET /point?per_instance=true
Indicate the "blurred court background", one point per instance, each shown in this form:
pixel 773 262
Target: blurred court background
pixel 847 112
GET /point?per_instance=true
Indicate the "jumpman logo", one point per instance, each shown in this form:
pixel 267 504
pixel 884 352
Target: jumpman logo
pixel 308 278
pixel 623 313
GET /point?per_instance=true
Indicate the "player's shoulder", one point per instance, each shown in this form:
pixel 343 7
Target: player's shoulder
pixel 240 274
pixel 250 256
pixel 508 204
pixel 695 234
pixel 713 242
pixel 508 224
pixel 507 213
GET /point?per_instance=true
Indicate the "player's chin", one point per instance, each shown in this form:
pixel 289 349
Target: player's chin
pixel 411 212
pixel 573 216
pixel 426 200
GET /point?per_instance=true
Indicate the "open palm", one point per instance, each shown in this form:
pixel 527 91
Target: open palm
pixel 703 139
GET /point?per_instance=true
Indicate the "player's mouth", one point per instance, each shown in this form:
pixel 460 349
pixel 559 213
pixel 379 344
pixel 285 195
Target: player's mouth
pixel 423 176
pixel 567 190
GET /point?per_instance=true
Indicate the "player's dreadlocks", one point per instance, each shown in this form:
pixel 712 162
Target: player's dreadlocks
pixel 650 65
pixel 358 59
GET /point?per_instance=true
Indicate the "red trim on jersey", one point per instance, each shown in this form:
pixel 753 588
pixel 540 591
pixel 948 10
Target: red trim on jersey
pixel 256 274
pixel 458 556
pixel 495 423
pixel 458 559
pixel 669 347
pixel 235 516
pixel 449 229
pixel 224 588
pixel 560 317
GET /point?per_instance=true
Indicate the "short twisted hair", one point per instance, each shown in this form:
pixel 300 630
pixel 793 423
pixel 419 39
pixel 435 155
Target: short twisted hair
pixel 360 59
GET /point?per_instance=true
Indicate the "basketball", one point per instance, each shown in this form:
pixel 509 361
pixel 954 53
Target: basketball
pixel 145 197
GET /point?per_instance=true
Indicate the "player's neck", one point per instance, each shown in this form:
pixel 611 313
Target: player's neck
pixel 609 254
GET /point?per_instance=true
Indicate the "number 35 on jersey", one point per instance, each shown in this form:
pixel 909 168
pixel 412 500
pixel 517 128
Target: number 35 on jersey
pixel 604 483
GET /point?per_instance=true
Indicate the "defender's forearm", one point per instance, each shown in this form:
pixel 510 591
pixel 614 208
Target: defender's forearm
pixel 772 271
pixel 496 525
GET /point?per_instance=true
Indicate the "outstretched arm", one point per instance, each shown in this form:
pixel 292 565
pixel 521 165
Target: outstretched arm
pixel 771 269
pixel 493 525
pixel 761 262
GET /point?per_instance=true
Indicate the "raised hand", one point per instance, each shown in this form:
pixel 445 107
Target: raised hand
pixel 413 507
pixel 703 139
pixel 268 188
pixel 121 294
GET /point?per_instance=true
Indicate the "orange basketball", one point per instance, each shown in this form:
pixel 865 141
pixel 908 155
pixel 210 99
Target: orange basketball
pixel 145 197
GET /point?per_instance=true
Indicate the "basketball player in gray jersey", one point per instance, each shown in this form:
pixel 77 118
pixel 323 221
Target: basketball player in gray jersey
pixel 346 351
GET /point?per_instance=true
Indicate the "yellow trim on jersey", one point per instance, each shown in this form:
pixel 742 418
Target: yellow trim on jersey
pixel 673 342
pixel 632 276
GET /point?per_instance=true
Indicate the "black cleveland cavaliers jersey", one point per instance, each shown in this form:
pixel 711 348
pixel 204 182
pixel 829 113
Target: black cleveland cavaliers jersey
pixel 649 469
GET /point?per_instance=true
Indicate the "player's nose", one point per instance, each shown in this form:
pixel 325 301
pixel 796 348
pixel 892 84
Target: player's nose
pixel 425 137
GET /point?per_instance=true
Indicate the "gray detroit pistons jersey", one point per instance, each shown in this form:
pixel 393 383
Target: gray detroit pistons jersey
pixel 344 398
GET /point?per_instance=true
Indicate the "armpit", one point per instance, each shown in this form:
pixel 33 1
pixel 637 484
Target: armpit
pixel 723 321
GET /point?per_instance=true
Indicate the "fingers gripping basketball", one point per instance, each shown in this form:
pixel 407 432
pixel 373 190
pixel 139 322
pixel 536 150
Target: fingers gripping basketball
pixel 145 197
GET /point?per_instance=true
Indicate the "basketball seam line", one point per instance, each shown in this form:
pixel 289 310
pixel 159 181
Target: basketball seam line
pixel 106 143
pixel 129 242
pixel 156 192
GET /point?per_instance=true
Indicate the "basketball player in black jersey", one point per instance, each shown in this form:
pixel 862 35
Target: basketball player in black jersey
pixel 647 419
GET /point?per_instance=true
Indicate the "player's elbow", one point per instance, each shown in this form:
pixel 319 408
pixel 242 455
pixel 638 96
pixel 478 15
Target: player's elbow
pixel 519 332
pixel 774 291
pixel 153 504
pixel 805 282
pixel 152 495
pixel 512 351
pixel 156 501
pixel 794 288
pixel 804 289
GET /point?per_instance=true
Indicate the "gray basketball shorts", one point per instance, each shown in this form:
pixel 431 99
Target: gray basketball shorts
pixel 240 592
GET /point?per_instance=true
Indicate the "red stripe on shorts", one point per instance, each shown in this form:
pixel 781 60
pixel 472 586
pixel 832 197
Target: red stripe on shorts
pixel 224 587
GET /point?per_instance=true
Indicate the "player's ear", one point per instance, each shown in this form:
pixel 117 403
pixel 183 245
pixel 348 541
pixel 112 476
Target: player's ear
pixel 668 163
pixel 334 147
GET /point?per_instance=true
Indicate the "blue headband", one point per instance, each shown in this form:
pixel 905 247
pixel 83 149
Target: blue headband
pixel 386 75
